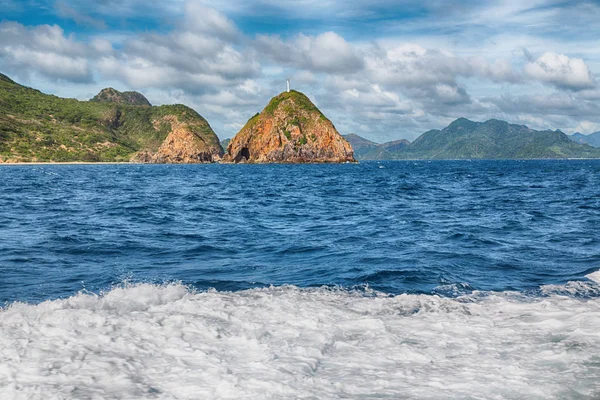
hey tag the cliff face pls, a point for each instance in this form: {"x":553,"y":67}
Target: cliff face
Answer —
{"x":289,"y":130}
{"x":188,"y":142}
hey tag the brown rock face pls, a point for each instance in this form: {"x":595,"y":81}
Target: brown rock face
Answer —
{"x":185,"y":144}
{"x":289,"y":130}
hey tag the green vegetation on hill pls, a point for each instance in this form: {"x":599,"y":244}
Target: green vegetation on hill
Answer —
{"x":360,"y":145}
{"x":465,"y":139}
{"x":6,"y":78}
{"x":494,"y":139}
{"x":300,"y":102}
{"x":365,"y":149}
{"x":39,"y":127}
{"x":111,"y":95}
{"x":387,"y":151}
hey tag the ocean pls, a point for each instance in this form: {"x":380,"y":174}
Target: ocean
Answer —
{"x":395,"y":279}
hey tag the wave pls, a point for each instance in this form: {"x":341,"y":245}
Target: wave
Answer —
{"x":594,"y":276}
{"x":171,"y":342}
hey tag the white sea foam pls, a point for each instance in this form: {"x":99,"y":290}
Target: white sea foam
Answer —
{"x":594,"y":276}
{"x":166,"y":342}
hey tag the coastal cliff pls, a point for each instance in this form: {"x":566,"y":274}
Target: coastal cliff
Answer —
{"x":291,"y":129}
{"x":112,"y":127}
{"x":188,"y":142}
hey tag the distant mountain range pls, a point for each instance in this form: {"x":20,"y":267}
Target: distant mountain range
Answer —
{"x":225,"y":142}
{"x":365,"y":149}
{"x":593,"y":139}
{"x":465,"y":139}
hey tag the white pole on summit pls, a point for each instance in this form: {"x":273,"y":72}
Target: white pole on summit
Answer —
{"x":288,"y":85}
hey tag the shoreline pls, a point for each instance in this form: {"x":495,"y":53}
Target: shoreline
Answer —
{"x":316,"y":163}
{"x":66,"y":163}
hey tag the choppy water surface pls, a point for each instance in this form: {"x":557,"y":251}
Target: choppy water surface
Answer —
{"x":447,"y":279}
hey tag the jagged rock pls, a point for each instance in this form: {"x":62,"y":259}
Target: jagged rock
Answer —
{"x":110,"y":95}
{"x":291,"y":129}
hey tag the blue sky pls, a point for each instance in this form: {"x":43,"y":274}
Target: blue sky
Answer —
{"x":383,"y":69}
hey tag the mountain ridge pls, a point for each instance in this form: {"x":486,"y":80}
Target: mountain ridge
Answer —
{"x":592,"y":139}
{"x":110,"y":95}
{"x":492,"y":139}
{"x":365,"y":149}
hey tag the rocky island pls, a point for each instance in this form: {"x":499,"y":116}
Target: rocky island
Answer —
{"x":290,"y":129}
{"x":112,"y":127}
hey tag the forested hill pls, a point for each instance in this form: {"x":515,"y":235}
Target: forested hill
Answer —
{"x":114,"y":127}
{"x":493,"y":139}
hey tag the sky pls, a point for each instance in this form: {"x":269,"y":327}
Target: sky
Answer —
{"x":383,"y":69}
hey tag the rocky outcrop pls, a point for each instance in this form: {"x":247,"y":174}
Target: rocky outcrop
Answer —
{"x":186,"y":143}
{"x":110,"y":95}
{"x":291,"y":129}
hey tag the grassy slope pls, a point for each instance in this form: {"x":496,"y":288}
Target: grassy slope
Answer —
{"x":296,"y":106}
{"x":39,"y":127}
{"x":300,"y":100}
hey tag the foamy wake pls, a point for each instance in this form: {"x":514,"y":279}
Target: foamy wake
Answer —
{"x":166,"y":342}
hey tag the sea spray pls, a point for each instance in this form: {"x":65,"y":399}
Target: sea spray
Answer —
{"x":167,"y":342}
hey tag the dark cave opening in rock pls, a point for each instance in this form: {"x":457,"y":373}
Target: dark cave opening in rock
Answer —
{"x":243,"y":154}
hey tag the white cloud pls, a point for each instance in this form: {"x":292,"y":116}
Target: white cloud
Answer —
{"x":561,"y":71}
{"x":250,"y":86}
{"x":327,"y":52}
{"x":64,"y":10}
{"x":199,"y":18}
{"x":304,"y":77}
{"x":450,"y":94}
{"x":412,"y":65}
{"x":587,"y":127}
{"x":74,"y":69}
{"x":49,"y":38}
{"x":44,"y":50}
{"x":102,"y":46}
{"x":200,"y":57}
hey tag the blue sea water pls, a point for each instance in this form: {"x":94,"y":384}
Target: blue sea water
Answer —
{"x":407,"y":279}
{"x":398,"y":227}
